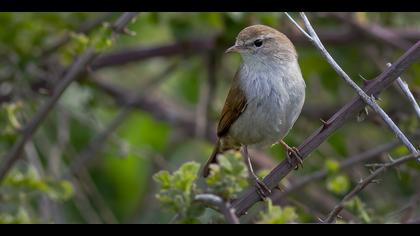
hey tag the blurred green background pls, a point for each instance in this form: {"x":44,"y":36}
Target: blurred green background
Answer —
{"x":175,"y":75}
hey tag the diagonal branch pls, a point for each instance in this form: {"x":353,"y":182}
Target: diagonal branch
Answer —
{"x":374,"y":31}
{"x":83,"y":29}
{"x":72,"y":73}
{"x":369,"y":100}
{"x":250,"y":197}
{"x":362,"y":184}
{"x":404,"y":87}
{"x":127,"y":55}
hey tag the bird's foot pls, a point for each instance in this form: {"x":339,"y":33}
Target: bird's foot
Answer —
{"x":262,"y":189}
{"x":294,"y":157}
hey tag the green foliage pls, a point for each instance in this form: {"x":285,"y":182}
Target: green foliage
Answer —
{"x":229,"y":176}
{"x":121,"y":177}
{"x":162,"y":135}
{"x":177,"y":192}
{"x":99,"y":39}
{"x":338,"y":184}
{"x":29,"y":181}
{"x":277,"y":215}
{"x":21,"y":217}
{"x":332,"y":166}
{"x":20,"y":188}
{"x":9,"y":119}
{"x":359,"y":207}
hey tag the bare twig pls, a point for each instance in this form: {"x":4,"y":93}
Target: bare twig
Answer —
{"x":119,"y":27}
{"x":347,"y":35}
{"x":84,"y":205}
{"x":404,"y":87}
{"x":72,"y":73}
{"x":374,"y":31}
{"x":207,"y":90}
{"x":336,"y":121}
{"x":136,"y":54}
{"x":224,"y":207}
{"x":87,"y":184}
{"x":370,"y":100}
{"x":32,"y":126}
{"x":362,"y":184}
{"x":84,"y":29}
{"x":347,"y":163}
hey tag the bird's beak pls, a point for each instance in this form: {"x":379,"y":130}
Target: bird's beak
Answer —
{"x":235,"y":48}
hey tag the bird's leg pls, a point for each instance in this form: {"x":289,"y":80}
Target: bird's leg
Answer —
{"x":292,"y":153}
{"x":262,"y":189}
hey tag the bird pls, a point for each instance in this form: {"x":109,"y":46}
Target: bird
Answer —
{"x":264,"y":101}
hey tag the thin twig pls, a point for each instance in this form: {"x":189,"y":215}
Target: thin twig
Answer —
{"x":347,"y":163}
{"x":298,"y":26}
{"x":362,"y":184}
{"x":404,"y":87}
{"x":136,"y":54}
{"x":374,"y":31}
{"x":369,"y":100}
{"x":250,"y":197}
{"x":29,"y":130}
{"x":32,"y":126}
{"x":224,"y":207}
{"x":83,"y":29}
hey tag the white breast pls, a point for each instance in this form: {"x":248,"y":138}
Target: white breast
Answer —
{"x":275,"y":94}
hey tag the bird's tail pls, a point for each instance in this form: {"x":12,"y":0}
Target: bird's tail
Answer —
{"x":212,"y":159}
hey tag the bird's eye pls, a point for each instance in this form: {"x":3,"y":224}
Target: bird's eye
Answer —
{"x":258,"y":43}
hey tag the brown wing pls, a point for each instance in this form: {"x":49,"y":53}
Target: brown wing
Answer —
{"x":235,"y":104}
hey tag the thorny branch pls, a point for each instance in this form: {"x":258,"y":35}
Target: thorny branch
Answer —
{"x":404,"y":87}
{"x":369,"y":100}
{"x":343,"y":165}
{"x":71,"y":74}
{"x":347,"y":163}
{"x":362,"y":184}
{"x":250,"y":197}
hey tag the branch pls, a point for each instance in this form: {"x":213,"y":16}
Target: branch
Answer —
{"x":369,"y":100}
{"x":335,"y":122}
{"x":362,"y":184}
{"x":349,"y":162}
{"x":404,"y":87}
{"x":83,"y":29}
{"x":72,"y":73}
{"x":128,"y":55}
{"x":347,"y":35}
{"x":374,"y":31}
{"x":224,"y":207}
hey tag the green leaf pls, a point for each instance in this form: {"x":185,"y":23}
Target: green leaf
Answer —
{"x":332,"y":166}
{"x":357,"y":205}
{"x":338,"y":184}
{"x":277,"y":215}
{"x":177,"y":192}
{"x":229,"y":176}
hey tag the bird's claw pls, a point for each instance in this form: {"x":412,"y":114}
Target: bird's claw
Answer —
{"x":262,"y":189}
{"x":293,"y":156}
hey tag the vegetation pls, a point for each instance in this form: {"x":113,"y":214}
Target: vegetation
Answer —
{"x":126,"y":140}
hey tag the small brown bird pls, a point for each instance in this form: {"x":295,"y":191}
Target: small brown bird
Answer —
{"x":265,"y":98}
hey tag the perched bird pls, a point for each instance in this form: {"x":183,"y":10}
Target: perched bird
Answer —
{"x":265,"y":98}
